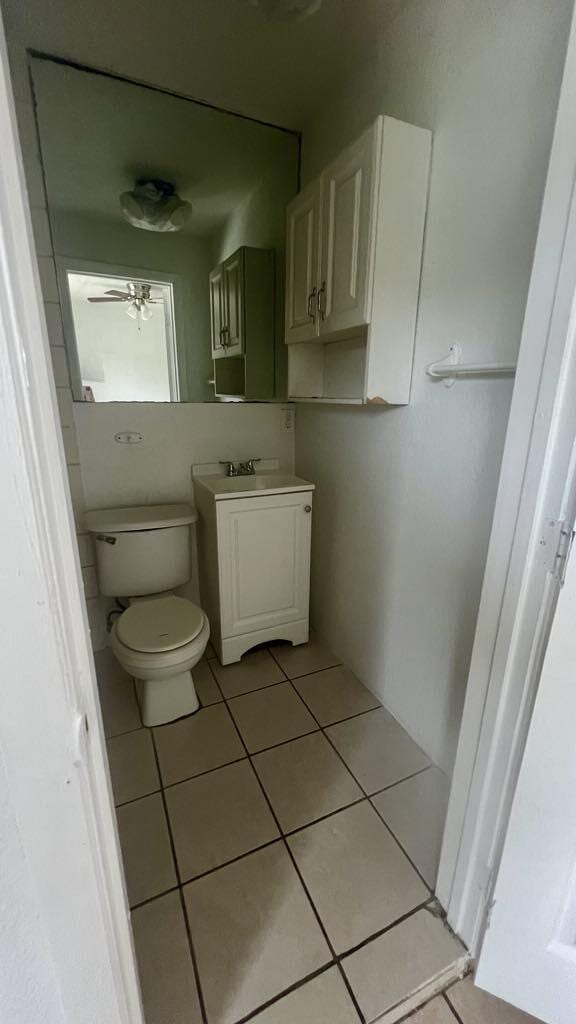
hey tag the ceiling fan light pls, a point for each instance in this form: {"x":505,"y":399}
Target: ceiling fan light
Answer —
{"x":132,"y":311}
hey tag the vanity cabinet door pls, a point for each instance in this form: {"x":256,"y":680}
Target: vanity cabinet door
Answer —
{"x":217,"y":314}
{"x":263,"y":561}
{"x":347,"y":215}
{"x":303,"y":239}
{"x":233,"y":288}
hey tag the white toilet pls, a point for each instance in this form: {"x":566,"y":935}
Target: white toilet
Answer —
{"x":142,"y":554}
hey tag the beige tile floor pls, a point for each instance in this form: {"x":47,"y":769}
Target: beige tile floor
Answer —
{"x":279,"y":847}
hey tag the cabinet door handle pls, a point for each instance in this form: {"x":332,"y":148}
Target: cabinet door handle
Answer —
{"x":312,"y":303}
{"x":224,"y":337}
{"x":307,"y":508}
{"x":320,"y":305}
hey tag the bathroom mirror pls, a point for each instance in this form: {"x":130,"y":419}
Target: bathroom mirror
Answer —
{"x":152,"y":198}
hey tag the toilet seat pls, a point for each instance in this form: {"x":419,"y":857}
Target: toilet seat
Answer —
{"x":159,"y":625}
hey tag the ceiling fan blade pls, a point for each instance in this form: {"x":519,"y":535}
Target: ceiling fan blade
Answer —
{"x":122,"y":295}
{"x":102,"y":298}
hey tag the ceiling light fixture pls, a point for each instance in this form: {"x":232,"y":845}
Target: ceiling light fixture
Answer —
{"x":153,"y":205}
{"x":282,"y":10}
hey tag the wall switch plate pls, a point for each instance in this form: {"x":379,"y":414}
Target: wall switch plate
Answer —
{"x":288,"y":418}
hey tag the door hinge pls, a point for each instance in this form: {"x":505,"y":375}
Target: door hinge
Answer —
{"x":556,"y":539}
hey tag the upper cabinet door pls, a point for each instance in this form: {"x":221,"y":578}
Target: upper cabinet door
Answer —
{"x":217,"y":314}
{"x":232,"y":286}
{"x":303,"y":232}
{"x":347,"y":203}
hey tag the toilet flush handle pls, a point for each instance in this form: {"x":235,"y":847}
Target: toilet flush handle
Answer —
{"x":106,"y":539}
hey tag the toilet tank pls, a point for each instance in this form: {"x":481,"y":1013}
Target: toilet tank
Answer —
{"x":141,"y":550}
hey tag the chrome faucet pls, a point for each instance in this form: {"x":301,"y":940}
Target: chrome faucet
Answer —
{"x":247,"y":468}
{"x":240,"y":468}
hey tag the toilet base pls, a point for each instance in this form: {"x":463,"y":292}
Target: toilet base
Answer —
{"x":164,"y":700}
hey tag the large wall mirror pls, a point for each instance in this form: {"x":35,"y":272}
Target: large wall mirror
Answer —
{"x":168,"y":227}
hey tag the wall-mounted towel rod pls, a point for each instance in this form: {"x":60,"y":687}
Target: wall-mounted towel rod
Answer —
{"x":451,"y":367}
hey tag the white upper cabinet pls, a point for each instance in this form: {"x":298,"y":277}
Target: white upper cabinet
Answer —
{"x":346,"y":188}
{"x":355,"y":239}
{"x":303,"y":235}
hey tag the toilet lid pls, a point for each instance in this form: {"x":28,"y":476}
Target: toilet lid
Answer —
{"x":160,"y":624}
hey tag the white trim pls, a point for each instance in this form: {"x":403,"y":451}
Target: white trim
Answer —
{"x":518,"y":596}
{"x":173,"y":317}
{"x":51,"y":740}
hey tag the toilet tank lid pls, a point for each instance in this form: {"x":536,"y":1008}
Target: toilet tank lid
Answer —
{"x":139,"y":517}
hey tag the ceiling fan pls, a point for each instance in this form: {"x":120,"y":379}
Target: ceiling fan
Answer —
{"x":137,"y":295}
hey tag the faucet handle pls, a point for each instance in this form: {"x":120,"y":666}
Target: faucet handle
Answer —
{"x":230,"y":470}
{"x":250,"y":464}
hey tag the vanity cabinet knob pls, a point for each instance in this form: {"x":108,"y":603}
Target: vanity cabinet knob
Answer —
{"x":307,"y":508}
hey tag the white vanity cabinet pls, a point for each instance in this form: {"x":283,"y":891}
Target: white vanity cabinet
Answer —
{"x":354,"y":253}
{"x":254,"y":555}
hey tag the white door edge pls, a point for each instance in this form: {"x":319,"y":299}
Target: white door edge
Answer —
{"x":51,"y":738}
{"x":518,"y":596}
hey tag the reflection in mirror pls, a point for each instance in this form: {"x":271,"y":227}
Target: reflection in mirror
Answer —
{"x":124,"y":339}
{"x":152,"y":199}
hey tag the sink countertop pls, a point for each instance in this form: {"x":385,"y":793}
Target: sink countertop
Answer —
{"x":253,"y":486}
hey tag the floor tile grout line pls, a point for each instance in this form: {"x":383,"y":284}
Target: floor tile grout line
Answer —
{"x":151,"y":899}
{"x":408,"y":857}
{"x":256,"y":689}
{"x":195,"y":968}
{"x":387,"y":928}
{"x":316,"y":821}
{"x":135,"y":799}
{"x":339,"y":664}
{"x":284,"y":743}
{"x":406,"y":778}
{"x":324,"y":732}
{"x":452,"y":1009}
{"x":357,"y":714}
{"x":334,"y":748}
{"x":128,"y":732}
{"x":351,"y":992}
{"x":266,"y":750}
{"x":200,"y":775}
{"x":299,"y":874}
{"x":137,"y":699}
{"x":233,"y":860}
{"x":286,"y":992}
{"x":375,"y":809}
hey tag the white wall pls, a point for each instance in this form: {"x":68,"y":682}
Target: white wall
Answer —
{"x":175,"y":437}
{"x":159,"y":468}
{"x":405,"y":496}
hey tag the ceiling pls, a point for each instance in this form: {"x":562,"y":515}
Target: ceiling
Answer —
{"x":99,"y":134}
{"x":222,"y":51}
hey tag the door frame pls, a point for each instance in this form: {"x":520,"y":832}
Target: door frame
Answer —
{"x":72,"y":900}
{"x":519,"y":593}
{"x":173,"y":315}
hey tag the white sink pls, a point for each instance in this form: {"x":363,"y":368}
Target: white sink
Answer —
{"x":222,"y":487}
